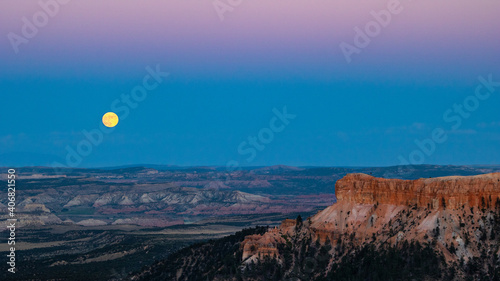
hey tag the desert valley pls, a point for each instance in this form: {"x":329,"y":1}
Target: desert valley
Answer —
{"x":123,"y":223}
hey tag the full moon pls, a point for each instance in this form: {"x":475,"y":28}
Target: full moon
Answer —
{"x":110,"y":119}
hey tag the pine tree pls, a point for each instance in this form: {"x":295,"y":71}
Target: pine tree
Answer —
{"x":299,"y":220}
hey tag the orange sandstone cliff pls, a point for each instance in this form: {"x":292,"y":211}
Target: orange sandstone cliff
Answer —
{"x":452,"y":192}
{"x":448,"y":211}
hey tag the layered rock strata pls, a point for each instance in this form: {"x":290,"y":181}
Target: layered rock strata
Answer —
{"x":446,"y":211}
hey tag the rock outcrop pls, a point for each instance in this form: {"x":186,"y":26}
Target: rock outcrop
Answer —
{"x":259,"y":246}
{"x":456,"y":214}
{"x":480,"y":191}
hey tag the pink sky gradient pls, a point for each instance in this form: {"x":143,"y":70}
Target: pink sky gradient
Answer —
{"x":256,"y":32}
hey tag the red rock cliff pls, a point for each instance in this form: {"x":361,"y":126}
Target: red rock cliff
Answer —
{"x":447,"y":211}
{"x":476,"y":191}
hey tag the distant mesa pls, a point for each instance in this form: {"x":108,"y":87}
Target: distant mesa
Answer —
{"x":92,"y":222}
{"x":278,"y":168}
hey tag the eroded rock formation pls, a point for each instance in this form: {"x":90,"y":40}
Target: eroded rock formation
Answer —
{"x":453,"y":192}
{"x":457,"y":214}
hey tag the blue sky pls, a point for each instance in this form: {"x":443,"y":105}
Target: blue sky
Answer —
{"x":223,"y":88}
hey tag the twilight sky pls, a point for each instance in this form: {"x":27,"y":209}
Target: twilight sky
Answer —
{"x":230,"y":74}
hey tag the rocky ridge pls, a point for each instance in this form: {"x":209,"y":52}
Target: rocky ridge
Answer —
{"x":452,"y":192}
{"x":458,"y":217}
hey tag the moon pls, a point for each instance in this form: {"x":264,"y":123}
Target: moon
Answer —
{"x":110,"y":119}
